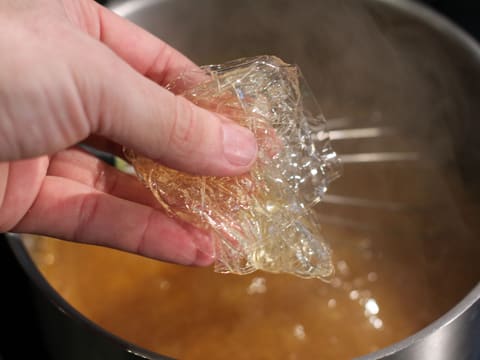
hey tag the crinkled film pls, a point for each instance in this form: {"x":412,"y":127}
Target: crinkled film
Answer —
{"x":262,"y":220}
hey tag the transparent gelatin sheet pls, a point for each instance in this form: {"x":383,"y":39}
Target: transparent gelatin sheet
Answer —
{"x":262,"y":220}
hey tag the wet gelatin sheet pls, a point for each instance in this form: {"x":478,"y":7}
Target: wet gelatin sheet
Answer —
{"x":262,"y":220}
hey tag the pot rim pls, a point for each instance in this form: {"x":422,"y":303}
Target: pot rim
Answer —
{"x":413,"y":9}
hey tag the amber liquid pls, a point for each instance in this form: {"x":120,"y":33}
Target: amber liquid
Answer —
{"x":376,"y":299}
{"x":403,"y":258}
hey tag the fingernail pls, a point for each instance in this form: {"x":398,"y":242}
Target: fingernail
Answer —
{"x":239,"y":144}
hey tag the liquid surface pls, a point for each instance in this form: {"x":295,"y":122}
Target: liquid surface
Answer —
{"x":188,"y":313}
{"x":390,"y":282}
{"x":404,"y":239}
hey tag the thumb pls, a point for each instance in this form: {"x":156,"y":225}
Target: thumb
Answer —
{"x":140,"y":114}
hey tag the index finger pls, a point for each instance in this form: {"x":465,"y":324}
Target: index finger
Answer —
{"x":146,"y":53}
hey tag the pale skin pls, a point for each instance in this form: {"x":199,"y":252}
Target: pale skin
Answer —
{"x":72,"y":71}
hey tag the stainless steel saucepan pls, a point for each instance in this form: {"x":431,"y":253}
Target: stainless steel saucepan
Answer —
{"x":400,"y":86}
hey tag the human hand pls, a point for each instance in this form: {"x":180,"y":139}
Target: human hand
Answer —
{"x":71,"y":69}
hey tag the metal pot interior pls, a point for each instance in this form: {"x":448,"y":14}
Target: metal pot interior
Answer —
{"x":398,"y":86}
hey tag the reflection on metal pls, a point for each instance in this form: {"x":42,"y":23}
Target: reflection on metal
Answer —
{"x":126,"y":8}
{"x":137,"y":354}
{"x":379,"y":157}
{"x":361,"y":202}
{"x":362,"y":133}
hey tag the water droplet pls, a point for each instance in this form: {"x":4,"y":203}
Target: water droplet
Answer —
{"x":376,"y":322}
{"x":299,"y":332}
{"x":257,"y":286}
{"x":332,"y":303}
{"x":371,"y":307}
{"x":354,"y":295}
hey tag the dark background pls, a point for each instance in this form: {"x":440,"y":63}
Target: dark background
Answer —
{"x":20,"y":331}
{"x":465,"y":13}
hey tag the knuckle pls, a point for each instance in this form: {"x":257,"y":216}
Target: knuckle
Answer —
{"x":160,"y":63}
{"x":87,"y":210}
{"x":143,"y":242}
{"x":185,"y":127}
